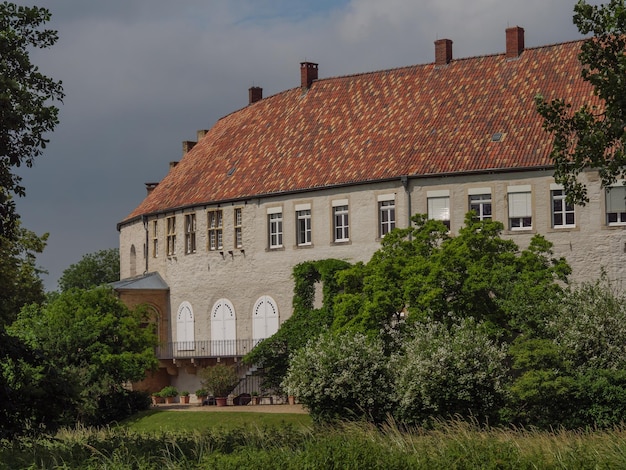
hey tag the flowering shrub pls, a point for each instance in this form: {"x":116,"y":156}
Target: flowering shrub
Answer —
{"x":590,"y":327}
{"x":449,"y":371}
{"x":343,"y":376}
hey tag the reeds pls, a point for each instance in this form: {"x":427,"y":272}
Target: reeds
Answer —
{"x":451,"y":445}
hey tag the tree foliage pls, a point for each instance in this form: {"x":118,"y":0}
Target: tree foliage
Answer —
{"x":26,"y":112}
{"x":593,"y":136}
{"x":94,"y":269}
{"x":19,"y":274}
{"x":97,"y":344}
{"x":426,"y":273}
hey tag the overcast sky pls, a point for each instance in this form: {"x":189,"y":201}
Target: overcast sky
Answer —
{"x":141,"y":76}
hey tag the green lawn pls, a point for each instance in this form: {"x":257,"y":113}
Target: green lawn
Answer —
{"x":181,"y":421}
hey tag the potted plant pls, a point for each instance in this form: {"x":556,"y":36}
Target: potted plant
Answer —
{"x":255,"y":397}
{"x":169,"y":393}
{"x":184,"y":396}
{"x":201,"y":394}
{"x":157,"y":398}
{"x":221,"y":380}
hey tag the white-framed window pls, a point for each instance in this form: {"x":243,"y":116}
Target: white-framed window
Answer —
{"x":439,"y":206}
{"x":303,"y":224}
{"x":563,"y":214}
{"x":171,"y":235}
{"x":341,"y":227}
{"x":616,"y":205}
{"x":223,"y":329}
{"x":215,"y":231}
{"x":480,"y":202}
{"x":238,"y":228}
{"x":386,"y":214}
{"x":520,"y":207}
{"x":155,"y":238}
{"x":265,"y":318}
{"x":190,"y":233}
{"x":275,"y":226}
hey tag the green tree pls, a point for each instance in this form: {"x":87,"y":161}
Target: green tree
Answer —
{"x":575,"y":375}
{"x":593,"y":136}
{"x":94,"y":269}
{"x":26,"y":112}
{"x":19,"y":275}
{"x":427,"y":274}
{"x":96,"y":342}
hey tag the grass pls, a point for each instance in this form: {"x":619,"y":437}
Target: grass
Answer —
{"x":188,"y":421}
{"x":272,"y":444}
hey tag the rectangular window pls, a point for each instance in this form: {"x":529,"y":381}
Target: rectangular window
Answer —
{"x":386,"y":216}
{"x":481,"y":205}
{"x":303,"y":221}
{"x":276,"y":230}
{"x":616,"y":205}
{"x":562,"y":211}
{"x":155,"y":238}
{"x":171,"y":236}
{"x":238,"y":228}
{"x":520,"y":208}
{"x":214,"y":224}
{"x":340,"y":223}
{"x":439,"y":206}
{"x":190,"y":233}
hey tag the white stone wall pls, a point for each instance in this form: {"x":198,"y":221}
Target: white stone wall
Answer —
{"x":243,"y":276}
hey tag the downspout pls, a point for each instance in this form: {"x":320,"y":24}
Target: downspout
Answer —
{"x":144,"y":219}
{"x":405,"y":182}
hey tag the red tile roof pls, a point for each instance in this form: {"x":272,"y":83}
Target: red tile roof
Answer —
{"x":418,"y":120}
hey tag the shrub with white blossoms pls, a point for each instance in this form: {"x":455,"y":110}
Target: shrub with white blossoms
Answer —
{"x":446,"y":372}
{"x":341,"y":376}
{"x":590,"y":327}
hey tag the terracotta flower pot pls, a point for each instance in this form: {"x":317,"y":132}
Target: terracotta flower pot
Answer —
{"x":184,"y":399}
{"x":221,"y":401}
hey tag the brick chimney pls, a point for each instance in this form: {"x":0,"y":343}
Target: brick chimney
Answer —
{"x":188,"y":145}
{"x":443,"y":52}
{"x":514,"y":42}
{"x":150,"y":187}
{"x":255,"y":94}
{"x":308,"y":73}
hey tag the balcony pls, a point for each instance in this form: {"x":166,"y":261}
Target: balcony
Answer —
{"x":206,"y":349}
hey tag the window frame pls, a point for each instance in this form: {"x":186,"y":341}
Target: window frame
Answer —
{"x":436,"y":212}
{"x":386,"y":215}
{"x":520,"y":208}
{"x":618,"y":203}
{"x":341,"y":223}
{"x":155,"y":238}
{"x":215,"y":230}
{"x":304,"y":232}
{"x":238,"y":227}
{"x":275,"y":229}
{"x":171,"y":235}
{"x":481,"y":198}
{"x":566,"y":209}
{"x":190,"y":233}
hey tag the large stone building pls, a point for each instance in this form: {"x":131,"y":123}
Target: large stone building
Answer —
{"x":325,"y":169}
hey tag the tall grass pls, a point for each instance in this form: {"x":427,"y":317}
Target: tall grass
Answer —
{"x":449,"y":445}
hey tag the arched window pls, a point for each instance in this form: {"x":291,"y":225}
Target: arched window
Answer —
{"x":133,"y":261}
{"x":223,"y":329}
{"x":185,"y":336}
{"x":264,"y":318}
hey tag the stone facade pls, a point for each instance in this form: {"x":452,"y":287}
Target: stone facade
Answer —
{"x":420,"y":139}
